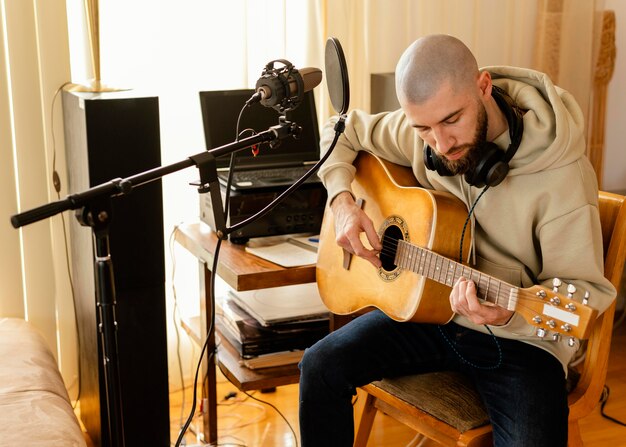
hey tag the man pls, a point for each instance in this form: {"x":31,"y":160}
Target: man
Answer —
{"x":538,"y":222}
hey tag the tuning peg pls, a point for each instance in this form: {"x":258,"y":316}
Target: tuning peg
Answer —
{"x":556,"y":283}
{"x":586,"y":298}
{"x":537,"y":319}
{"x":542,"y":294}
{"x":571,"y":290}
{"x":566,"y":328}
{"x":555,"y":300}
{"x":571,"y":342}
{"x":551,"y":323}
{"x":571,"y":307}
{"x":556,"y":336}
{"x":541,"y":332}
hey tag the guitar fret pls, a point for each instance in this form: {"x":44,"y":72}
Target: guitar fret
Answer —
{"x":426,"y":265}
{"x":499,"y":285}
{"x":406,"y":255}
{"x":446,"y":271}
{"x":418,"y":260}
{"x":440,"y":269}
{"x":448,"y":279}
{"x":432,"y":265}
{"x":487,"y":290}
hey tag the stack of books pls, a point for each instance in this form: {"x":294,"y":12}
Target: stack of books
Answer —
{"x":272,"y":327}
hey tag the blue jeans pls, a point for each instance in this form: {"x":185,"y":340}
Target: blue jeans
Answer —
{"x":525,"y":394}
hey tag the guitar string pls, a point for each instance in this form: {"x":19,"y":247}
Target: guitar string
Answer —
{"x":445,"y":337}
{"x":420,"y":264}
{"x":390,"y":250}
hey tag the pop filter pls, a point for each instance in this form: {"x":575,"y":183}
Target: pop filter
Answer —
{"x":337,"y":76}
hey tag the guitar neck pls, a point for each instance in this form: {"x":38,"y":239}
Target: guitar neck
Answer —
{"x":445,"y":271}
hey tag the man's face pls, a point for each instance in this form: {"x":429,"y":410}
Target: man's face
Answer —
{"x":454,"y":125}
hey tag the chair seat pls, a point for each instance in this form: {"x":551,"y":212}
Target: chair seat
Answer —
{"x":448,"y":396}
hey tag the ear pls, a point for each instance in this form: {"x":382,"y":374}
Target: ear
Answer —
{"x":483,"y":82}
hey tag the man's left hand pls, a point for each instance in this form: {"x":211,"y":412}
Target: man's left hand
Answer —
{"x":464,"y":301}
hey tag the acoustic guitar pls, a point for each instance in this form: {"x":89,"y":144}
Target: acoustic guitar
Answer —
{"x":420,"y":232}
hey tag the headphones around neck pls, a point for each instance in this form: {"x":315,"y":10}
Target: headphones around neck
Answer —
{"x":493,"y":167}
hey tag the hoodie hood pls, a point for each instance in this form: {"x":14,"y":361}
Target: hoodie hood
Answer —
{"x":553,"y":122}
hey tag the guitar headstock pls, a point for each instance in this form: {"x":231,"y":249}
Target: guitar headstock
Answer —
{"x":555,"y":314}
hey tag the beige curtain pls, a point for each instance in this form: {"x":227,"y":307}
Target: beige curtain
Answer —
{"x":567,"y":41}
{"x":499,"y":32}
{"x":575,"y":45}
{"x":374,"y":33}
{"x":34,"y":62}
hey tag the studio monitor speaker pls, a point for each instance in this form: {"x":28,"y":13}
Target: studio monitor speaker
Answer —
{"x":110,"y":135}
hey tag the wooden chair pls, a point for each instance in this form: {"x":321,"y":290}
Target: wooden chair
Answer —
{"x":444,"y":407}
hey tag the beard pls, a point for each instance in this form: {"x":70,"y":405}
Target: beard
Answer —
{"x":475,"y":150}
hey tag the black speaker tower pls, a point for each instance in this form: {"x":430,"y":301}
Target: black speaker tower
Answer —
{"x":111,"y":135}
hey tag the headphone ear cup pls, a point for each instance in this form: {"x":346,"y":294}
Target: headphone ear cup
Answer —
{"x":491,"y":168}
{"x":433,"y":163}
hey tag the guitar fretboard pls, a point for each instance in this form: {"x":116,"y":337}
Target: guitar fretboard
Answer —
{"x":445,"y":271}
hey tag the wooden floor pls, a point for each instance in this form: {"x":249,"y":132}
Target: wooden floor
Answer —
{"x":242,"y":421}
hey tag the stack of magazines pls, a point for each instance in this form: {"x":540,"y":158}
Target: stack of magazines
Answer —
{"x":272,"y":327}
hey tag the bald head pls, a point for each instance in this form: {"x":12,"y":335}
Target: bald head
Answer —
{"x":431,"y":61}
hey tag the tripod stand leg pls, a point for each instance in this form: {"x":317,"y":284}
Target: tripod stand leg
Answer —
{"x":99,"y":220}
{"x":107,"y":329}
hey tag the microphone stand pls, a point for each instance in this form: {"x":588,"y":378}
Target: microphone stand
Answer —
{"x":93,"y":209}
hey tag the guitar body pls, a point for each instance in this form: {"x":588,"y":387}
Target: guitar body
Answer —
{"x":398,"y":207}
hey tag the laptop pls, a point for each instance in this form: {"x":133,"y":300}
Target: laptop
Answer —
{"x":274,"y":167}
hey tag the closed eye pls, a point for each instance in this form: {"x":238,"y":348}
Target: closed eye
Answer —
{"x":450,"y":119}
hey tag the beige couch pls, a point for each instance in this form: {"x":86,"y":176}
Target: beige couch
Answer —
{"x":35,"y":409}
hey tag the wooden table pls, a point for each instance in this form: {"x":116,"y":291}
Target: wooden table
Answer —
{"x":242,"y":271}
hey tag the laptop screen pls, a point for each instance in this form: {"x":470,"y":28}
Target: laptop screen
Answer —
{"x":220,"y":110}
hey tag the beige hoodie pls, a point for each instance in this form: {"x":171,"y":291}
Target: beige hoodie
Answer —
{"x":541,"y":222}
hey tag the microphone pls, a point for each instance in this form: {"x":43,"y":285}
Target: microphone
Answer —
{"x":283,"y":88}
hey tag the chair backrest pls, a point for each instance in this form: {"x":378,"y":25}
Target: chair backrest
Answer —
{"x":586,"y":395}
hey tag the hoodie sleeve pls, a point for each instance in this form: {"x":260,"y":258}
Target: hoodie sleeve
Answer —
{"x":387,"y":134}
{"x":572,"y":251}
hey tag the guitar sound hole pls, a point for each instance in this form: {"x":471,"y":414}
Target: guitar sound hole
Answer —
{"x":390,"y":239}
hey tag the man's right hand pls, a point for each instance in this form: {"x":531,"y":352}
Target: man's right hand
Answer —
{"x":350,"y":222}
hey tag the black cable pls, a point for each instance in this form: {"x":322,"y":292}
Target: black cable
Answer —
{"x":603,"y":400}
{"x":212,"y":295}
{"x":232,"y":164}
{"x":175,"y":321}
{"x":293,"y":432}
{"x":467,"y":219}
{"x":56,"y":182}
{"x":339,"y":127}
{"x":289,"y":190}
{"x":205,"y":344}
{"x":495,"y":339}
